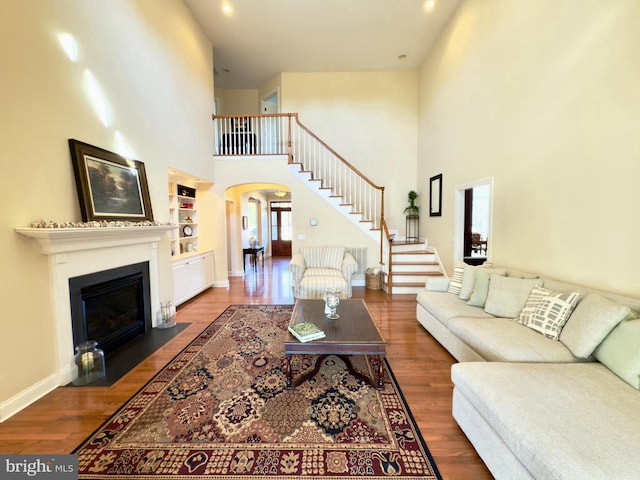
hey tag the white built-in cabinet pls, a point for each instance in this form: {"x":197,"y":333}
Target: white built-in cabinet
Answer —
{"x":192,"y":275}
{"x":193,"y":271}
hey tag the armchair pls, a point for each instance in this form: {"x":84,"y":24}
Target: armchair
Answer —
{"x":317,"y":269}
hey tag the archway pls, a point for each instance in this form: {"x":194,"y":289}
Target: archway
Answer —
{"x":248,"y":215}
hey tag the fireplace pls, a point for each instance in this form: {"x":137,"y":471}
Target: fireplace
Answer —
{"x":75,"y":252}
{"x":111,"y":306}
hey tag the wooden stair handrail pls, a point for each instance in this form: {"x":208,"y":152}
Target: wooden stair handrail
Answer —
{"x":336,"y":154}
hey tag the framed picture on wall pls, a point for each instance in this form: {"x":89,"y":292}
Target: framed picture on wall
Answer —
{"x":109,"y":186}
{"x":435,"y":196}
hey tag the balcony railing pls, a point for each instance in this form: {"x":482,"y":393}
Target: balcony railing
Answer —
{"x":283,"y":134}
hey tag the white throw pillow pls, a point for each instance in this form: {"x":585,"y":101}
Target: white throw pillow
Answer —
{"x":507,"y":295}
{"x":593,"y":319}
{"x":468,"y":278}
{"x":552,"y":312}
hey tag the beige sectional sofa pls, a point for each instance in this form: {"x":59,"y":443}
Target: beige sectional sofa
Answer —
{"x":548,"y":376}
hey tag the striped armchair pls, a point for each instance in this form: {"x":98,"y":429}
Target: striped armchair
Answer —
{"x":317,"y":269}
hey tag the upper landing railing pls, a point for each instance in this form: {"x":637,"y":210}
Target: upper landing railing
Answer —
{"x":283,"y":134}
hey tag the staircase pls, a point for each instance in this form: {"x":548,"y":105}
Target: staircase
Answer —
{"x":405,"y":266}
{"x":409,"y":267}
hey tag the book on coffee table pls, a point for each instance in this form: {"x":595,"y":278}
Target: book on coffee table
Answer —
{"x":306,"y":331}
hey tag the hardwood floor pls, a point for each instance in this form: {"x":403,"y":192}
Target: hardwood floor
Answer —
{"x":60,"y":421}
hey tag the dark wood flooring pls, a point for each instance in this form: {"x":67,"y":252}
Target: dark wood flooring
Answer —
{"x":60,"y":421}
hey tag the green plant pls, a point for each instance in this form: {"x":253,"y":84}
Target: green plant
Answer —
{"x":412,"y":209}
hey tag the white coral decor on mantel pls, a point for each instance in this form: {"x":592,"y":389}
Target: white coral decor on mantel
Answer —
{"x":95,"y":224}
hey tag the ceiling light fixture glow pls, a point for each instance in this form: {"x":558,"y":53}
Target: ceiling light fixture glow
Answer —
{"x":429,"y":5}
{"x":227,"y":9}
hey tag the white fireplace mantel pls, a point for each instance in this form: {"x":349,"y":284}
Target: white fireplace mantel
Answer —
{"x":79,"y":251}
{"x":60,"y":240}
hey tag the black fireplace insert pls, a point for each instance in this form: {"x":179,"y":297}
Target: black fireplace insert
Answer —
{"x":112,"y":306}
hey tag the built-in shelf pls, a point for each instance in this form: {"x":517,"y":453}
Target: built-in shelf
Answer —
{"x":183,"y":211}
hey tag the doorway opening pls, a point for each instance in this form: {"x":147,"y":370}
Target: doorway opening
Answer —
{"x":473,"y":222}
{"x":249,"y":221}
{"x":271,"y":131}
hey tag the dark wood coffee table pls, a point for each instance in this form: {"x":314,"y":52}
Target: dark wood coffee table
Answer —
{"x":354,"y":333}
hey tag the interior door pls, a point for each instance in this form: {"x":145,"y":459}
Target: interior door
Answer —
{"x":271,"y":126}
{"x":281,"y":229}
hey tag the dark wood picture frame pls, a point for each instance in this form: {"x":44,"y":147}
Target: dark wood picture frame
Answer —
{"x":110,"y":187}
{"x":435,"y":196}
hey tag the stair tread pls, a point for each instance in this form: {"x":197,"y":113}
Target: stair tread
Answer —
{"x":415,"y":263}
{"x":415,"y":274}
{"x":413,"y":252}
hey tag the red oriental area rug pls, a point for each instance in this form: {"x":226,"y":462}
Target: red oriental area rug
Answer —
{"x":220,"y":409}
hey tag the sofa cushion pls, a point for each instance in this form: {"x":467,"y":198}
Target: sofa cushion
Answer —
{"x":551,"y":312}
{"x":503,"y":340}
{"x":480,"y":291}
{"x":507,"y":295}
{"x":323,"y":257}
{"x":619,"y":351}
{"x":592,"y":320}
{"x":455,"y":284}
{"x":562,"y":421}
{"x":322,"y":272}
{"x":315,"y":286}
{"x":444,"y":305}
{"x":468,"y":279}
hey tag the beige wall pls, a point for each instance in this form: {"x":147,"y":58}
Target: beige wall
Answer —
{"x":370,"y":118}
{"x":542,"y":97}
{"x":154,"y":67}
{"x":238,"y":101}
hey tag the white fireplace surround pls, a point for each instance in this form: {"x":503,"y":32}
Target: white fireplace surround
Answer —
{"x":79,"y":251}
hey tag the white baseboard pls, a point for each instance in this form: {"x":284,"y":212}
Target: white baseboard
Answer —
{"x":28,"y":396}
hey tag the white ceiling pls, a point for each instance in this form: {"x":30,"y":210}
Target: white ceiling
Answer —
{"x":263,"y":38}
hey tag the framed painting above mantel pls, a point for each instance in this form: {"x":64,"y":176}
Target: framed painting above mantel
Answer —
{"x":110,"y":187}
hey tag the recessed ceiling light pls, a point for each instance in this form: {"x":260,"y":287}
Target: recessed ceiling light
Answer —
{"x":429,"y":5}
{"x":227,"y":9}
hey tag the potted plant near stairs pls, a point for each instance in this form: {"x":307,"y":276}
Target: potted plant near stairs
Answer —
{"x":412,"y":233}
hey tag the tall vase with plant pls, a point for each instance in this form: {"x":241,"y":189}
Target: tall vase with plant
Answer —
{"x":412,"y":209}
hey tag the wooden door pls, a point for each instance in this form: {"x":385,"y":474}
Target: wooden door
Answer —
{"x":281,"y":229}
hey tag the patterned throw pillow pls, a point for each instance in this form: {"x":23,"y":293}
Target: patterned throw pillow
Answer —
{"x":529,"y":309}
{"x":552,"y":312}
{"x":455,"y":284}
